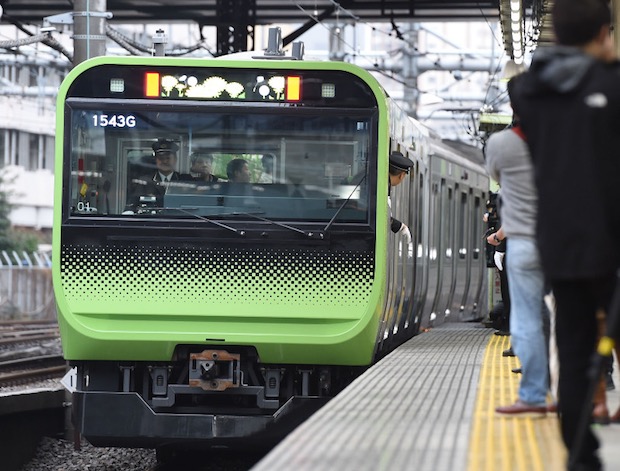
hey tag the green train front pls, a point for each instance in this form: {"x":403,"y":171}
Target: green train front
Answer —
{"x":217,"y":309}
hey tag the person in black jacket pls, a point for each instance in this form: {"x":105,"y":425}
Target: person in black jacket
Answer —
{"x":399,"y":168}
{"x":569,"y":105}
{"x":496,"y":258}
{"x":156,"y":184}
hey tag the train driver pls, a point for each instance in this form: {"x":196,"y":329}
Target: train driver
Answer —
{"x":156,"y":184}
{"x":399,"y":168}
{"x":165,"y":152}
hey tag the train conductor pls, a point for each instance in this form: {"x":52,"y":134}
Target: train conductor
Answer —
{"x":399,"y":168}
{"x":157,"y":183}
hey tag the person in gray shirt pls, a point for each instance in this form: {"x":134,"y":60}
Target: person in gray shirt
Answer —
{"x":508,"y":162}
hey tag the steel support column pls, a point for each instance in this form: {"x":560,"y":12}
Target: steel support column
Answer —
{"x":89,"y":21}
{"x":236,"y":20}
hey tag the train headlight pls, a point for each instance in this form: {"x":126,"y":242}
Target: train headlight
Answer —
{"x":117,"y":85}
{"x":328,"y":90}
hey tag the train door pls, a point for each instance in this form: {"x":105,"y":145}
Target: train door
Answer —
{"x":444,"y":268}
{"x":449,"y":252}
{"x":421,"y":249}
{"x":400,"y":266}
{"x":136,"y":160}
{"x":390,"y":296}
{"x":434,"y":274}
{"x":477,"y":289}
{"x":464,"y":249}
{"x":460,"y":256}
{"x":406,"y":324}
{"x":106,"y":166}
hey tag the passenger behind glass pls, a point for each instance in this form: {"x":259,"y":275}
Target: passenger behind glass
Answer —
{"x":202,"y":167}
{"x":268,"y":166}
{"x":154,"y":185}
{"x":238,"y":171}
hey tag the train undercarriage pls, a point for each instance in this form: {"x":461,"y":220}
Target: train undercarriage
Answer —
{"x":205,"y":397}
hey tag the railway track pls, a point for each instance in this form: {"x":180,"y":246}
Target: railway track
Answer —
{"x":15,"y":332}
{"x":29,"y":352}
{"x":29,"y":370}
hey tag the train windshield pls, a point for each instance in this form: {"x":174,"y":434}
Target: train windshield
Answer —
{"x":206,"y":161}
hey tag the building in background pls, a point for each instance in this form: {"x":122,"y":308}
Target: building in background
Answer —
{"x":28,"y":85}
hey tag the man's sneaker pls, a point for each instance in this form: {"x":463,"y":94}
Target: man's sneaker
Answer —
{"x":522,"y":409}
{"x":600,"y":414}
{"x":508,"y":353}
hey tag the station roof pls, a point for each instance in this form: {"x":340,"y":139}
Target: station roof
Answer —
{"x":204,"y":12}
{"x":247,"y":13}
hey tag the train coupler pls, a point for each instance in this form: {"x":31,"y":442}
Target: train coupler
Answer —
{"x":215,"y":370}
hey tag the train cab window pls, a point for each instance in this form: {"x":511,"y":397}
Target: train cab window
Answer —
{"x":301,"y":165}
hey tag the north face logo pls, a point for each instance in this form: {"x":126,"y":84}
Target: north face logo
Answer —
{"x":596,"y":100}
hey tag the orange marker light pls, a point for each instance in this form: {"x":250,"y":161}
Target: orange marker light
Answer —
{"x":151,"y":84}
{"x":293,"y":88}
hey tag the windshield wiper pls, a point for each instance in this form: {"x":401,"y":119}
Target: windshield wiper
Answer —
{"x":331,"y":221}
{"x":203,"y":218}
{"x":235,"y":213}
{"x":281,"y":224}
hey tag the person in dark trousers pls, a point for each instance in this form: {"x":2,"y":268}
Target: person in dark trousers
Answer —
{"x":496,"y":258}
{"x":569,"y":105}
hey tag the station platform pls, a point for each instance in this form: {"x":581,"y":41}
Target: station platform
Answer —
{"x":430,"y":406}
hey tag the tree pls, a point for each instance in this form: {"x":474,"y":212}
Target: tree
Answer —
{"x":5,"y":223}
{"x":10,"y":238}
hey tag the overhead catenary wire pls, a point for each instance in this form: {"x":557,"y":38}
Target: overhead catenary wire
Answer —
{"x":138,"y":49}
{"x":45,"y":38}
{"x":9,"y":44}
{"x":396,"y":34}
{"x":122,"y":41}
{"x":133,"y":47}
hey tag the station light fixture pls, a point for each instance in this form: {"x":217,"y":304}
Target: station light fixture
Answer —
{"x":512,"y":16}
{"x":512,"y":20}
{"x":516,"y":29}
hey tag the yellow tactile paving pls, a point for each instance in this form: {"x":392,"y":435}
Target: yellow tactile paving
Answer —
{"x":509,"y":443}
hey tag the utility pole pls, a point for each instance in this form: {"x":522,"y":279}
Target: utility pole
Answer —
{"x":89,"y":29}
{"x":410,"y":70}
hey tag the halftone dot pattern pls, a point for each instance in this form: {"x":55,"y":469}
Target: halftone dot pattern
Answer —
{"x":220,"y":275}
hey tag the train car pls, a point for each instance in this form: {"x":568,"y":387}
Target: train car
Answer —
{"x":217,"y":313}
